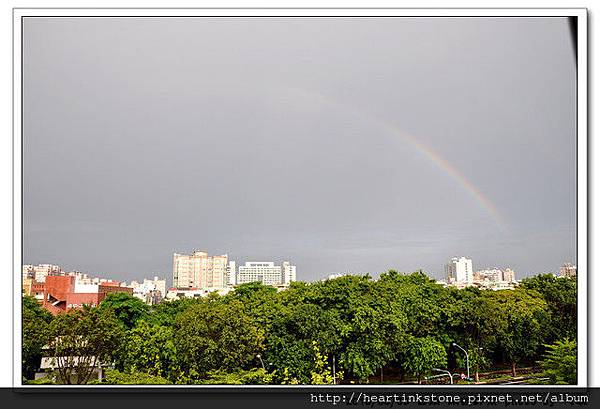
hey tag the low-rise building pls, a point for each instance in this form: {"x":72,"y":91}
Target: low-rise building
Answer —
{"x":64,"y":293}
{"x":182,"y":293}
{"x":153,"y":297}
{"x":333,"y":276}
{"x":49,"y":365}
{"x":500,"y":285}
{"x":76,"y":367}
{"x":492,"y":275}
{"x":149,"y":291}
{"x":33,"y":288}
{"x":495,"y":279}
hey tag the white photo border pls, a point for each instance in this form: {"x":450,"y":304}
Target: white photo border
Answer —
{"x":580,"y":14}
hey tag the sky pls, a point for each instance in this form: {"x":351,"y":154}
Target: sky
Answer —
{"x":339,"y":144}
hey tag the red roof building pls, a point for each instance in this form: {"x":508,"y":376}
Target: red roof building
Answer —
{"x":63,"y":293}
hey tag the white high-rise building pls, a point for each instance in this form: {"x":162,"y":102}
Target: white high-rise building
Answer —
{"x":39,"y":272}
{"x":199,"y":270}
{"x":231,"y":273}
{"x":266,"y":272}
{"x":289,"y":273}
{"x":459,"y":271}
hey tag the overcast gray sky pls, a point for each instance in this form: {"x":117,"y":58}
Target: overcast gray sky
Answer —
{"x":340,"y":144}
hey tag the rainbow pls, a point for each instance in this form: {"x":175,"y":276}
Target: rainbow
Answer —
{"x":454,"y":173}
{"x":413,"y":141}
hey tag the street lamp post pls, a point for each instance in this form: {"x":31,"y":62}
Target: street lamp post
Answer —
{"x":261,"y":361}
{"x":334,"y":380}
{"x":467,"y":354}
{"x":479,"y":352}
{"x":444,"y":371}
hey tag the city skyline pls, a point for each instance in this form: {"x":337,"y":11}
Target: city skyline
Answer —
{"x":142,"y":138}
{"x":168,"y":275}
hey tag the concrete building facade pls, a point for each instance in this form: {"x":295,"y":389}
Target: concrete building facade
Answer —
{"x":33,"y":288}
{"x":289,"y":273}
{"x":183,"y":293}
{"x":40,"y":271}
{"x":495,"y":278}
{"x":150,"y":291}
{"x":199,"y":270}
{"x":488,"y":275}
{"x":231,"y":273}
{"x":266,"y":272}
{"x":509,"y":276}
{"x":459,"y":271}
{"x":63,"y":293}
{"x":568,"y":270}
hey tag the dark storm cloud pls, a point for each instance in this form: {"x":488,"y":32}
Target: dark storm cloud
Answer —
{"x":270,"y":139}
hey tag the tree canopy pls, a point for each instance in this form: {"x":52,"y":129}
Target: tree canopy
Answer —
{"x":402,"y":324}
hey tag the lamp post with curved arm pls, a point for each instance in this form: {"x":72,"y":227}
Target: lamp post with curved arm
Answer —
{"x":261,"y":361}
{"x":467,"y":354}
{"x":446,"y":372}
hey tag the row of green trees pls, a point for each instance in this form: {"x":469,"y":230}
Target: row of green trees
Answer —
{"x":401,"y":325}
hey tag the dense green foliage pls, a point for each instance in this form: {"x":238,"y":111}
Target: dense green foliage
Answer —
{"x":255,"y":376}
{"x":356,"y":326}
{"x":35,"y":326}
{"x":81,"y":341}
{"x":561,"y":296}
{"x":127,"y":309}
{"x":114,"y":377}
{"x":560,"y":362}
{"x":216,"y":336}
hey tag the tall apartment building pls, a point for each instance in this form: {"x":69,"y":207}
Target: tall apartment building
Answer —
{"x":266,"y":272}
{"x":509,"y":275}
{"x":494,"y":275}
{"x":568,"y":270}
{"x":40,"y":272}
{"x":231,"y":273}
{"x":289,"y":273}
{"x":459,"y":271}
{"x":199,"y":270}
